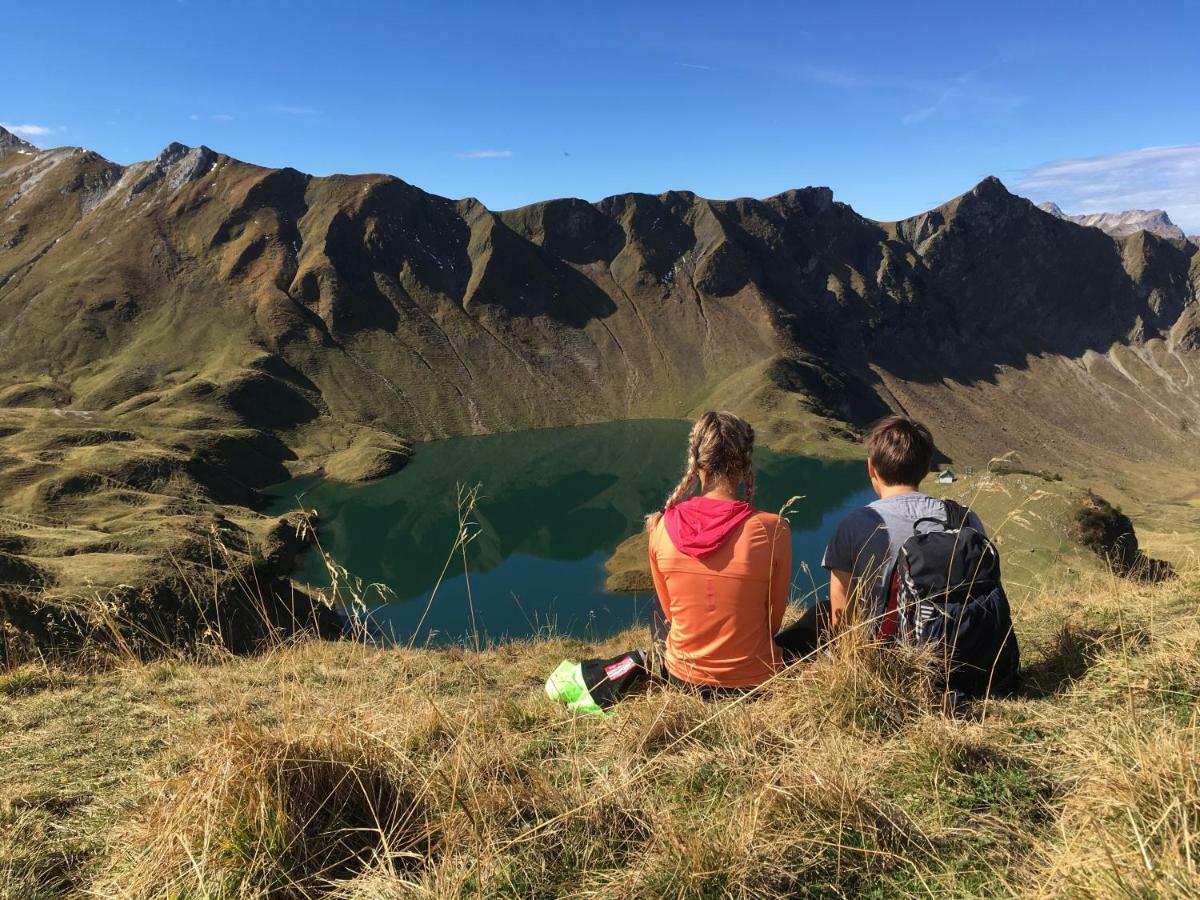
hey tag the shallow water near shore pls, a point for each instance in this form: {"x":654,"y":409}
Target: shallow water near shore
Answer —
{"x":553,"y":505}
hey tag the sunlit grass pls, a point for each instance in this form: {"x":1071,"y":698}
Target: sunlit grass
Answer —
{"x":344,"y":769}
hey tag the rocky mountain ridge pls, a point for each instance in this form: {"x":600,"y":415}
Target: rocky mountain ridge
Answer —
{"x":10,"y":144}
{"x":178,"y":332}
{"x":1125,"y":223}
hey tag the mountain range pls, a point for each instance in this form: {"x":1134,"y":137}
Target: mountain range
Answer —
{"x":176,"y":333}
{"x":1123,"y":224}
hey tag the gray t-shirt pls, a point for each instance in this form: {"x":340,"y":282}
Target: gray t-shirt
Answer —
{"x":867,"y":541}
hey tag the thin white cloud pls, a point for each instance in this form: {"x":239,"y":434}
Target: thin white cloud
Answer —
{"x":1150,"y":178}
{"x":976,"y":93}
{"x":221,"y":117}
{"x":920,"y":115}
{"x":295,"y":110}
{"x":696,"y":66}
{"x":965,"y":91}
{"x":30,"y":131}
{"x":485,"y":154}
{"x":847,"y":79}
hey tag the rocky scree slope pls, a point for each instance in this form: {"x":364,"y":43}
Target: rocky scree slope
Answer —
{"x":176,"y":333}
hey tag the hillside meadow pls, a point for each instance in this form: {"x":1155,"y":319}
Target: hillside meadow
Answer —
{"x":338,"y":769}
{"x":180,"y":333}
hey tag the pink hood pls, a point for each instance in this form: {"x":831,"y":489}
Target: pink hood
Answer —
{"x":699,"y":525}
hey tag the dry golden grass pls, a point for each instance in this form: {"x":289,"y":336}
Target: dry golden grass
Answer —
{"x":339,"y":770}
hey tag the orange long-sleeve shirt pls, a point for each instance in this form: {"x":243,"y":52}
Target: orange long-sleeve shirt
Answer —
{"x":725,"y":607}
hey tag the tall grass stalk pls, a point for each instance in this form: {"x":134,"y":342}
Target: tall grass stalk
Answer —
{"x":349,"y":770}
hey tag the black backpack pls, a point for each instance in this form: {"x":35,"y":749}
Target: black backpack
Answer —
{"x":948,"y":596}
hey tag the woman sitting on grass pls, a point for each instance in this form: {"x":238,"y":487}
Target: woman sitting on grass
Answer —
{"x":721,"y":568}
{"x":722,"y":571}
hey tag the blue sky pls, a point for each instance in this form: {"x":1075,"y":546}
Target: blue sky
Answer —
{"x":897,"y":107}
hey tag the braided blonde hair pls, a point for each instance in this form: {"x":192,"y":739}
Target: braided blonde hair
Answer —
{"x":721,"y":446}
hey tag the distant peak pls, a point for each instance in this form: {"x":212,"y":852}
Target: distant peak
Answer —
{"x":172,"y":153}
{"x":990,"y":194}
{"x":990,"y":186}
{"x":1124,"y":223}
{"x":184,"y":164}
{"x":10,"y":143}
{"x":820,"y":198}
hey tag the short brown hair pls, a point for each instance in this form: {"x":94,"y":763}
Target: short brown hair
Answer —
{"x":901,"y":449}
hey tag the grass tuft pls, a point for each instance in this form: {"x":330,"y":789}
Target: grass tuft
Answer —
{"x":264,"y":814}
{"x":344,"y":770}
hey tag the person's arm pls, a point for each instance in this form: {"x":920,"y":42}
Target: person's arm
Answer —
{"x":839,"y":595}
{"x":781,"y":573}
{"x":840,"y":561}
{"x":660,"y":583}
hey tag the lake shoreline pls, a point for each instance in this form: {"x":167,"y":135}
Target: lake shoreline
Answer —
{"x":838,"y":447}
{"x":553,"y":507}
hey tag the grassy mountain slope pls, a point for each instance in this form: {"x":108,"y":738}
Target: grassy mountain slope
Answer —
{"x":195,"y":327}
{"x":367,"y":300}
{"x":176,"y":333}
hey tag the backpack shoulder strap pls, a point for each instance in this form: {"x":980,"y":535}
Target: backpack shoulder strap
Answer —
{"x":956,"y":515}
{"x":886,"y":624}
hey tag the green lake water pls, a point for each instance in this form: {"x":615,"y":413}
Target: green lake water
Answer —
{"x":553,"y":505}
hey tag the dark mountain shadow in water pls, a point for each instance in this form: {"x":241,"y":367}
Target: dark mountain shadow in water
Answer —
{"x":561,"y":495}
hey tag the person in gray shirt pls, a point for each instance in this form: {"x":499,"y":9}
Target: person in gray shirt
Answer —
{"x":864,"y":545}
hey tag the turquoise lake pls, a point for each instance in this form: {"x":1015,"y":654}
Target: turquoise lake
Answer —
{"x":553,"y":505}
